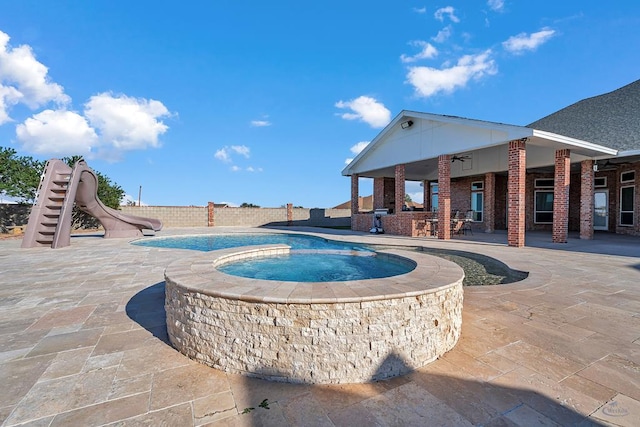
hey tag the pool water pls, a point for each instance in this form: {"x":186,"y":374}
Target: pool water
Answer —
{"x":224,"y":241}
{"x":315,"y":267}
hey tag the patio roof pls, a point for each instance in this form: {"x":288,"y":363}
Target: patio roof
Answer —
{"x":480,"y":145}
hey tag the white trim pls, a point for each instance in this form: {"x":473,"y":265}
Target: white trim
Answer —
{"x":633,"y":213}
{"x":535,"y":207}
{"x":600,"y":186}
{"x":574,"y":142}
{"x":628,"y":180}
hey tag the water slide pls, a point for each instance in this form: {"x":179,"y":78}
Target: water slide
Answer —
{"x":60,"y":188}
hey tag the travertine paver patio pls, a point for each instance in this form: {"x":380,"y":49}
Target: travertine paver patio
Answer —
{"x":83,"y":342}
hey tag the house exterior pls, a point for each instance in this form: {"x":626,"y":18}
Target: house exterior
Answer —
{"x":575,"y":170}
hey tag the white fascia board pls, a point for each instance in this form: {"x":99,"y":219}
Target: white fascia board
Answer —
{"x":628,"y":153}
{"x":574,"y":142}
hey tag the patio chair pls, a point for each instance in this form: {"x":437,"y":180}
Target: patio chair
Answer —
{"x":466,"y":223}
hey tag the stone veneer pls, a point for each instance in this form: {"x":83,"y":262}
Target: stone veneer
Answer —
{"x":326,"y":332}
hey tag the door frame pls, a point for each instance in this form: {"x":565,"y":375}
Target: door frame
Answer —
{"x":606,"y":226}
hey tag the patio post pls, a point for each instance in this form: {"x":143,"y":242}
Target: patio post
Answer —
{"x":562,"y":176}
{"x":378,"y":193}
{"x":586,"y":199}
{"x":355,"y":205}
{"x":490,"y":202}
{"x":426,"y":205}
{"x":399,"y":191}
{"x":444,"y":196}
{"x":516,"y":192}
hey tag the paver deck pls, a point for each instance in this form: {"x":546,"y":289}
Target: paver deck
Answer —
{"x":83,"y":342}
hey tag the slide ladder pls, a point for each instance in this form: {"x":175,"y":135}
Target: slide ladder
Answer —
{"x":47,"y":209}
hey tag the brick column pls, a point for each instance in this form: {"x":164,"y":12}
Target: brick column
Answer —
{"x":355,"y":197}
{"x":210,"y":215}
{"x":586,"y":199}
{"x":399,"y":199}
{"x":289,"y":214}
{"x":426,"y":200}
{"x":562,"y":177}
{"x":444,"y":197}
{"x":516,"y":192}
{"x":378,"y":193}
{"x":490,"y":202}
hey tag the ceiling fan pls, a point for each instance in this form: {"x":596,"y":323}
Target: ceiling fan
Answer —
{"x":609,"y":165}
{"x":460,"y":158}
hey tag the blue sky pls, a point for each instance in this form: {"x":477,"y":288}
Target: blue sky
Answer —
{"x":264,"y":102}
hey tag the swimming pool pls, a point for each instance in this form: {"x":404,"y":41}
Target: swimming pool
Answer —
{"x":312,"y":259}
{"x":213,"y":242}
{"x":319,"y":266}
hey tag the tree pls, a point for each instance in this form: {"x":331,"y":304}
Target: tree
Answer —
{"x":19,"y":175}
{"x":249,"y":205}
{"x":407,"y":198}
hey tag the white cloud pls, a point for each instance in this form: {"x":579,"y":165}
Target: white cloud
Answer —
{"x":442,"y":35}
{"x":222,"y":155}
{"x":226,"y":154}
{"x":127,"y":123}
{"x":356,"y":149}
{"x":449,"y":11}
{"x":260,"y":123}
{"x":9,"y":96}
{"x":366,"y":109}
{"x":57,"y":132}
{"x":24,"y":80}
{"x":523,"y":41}
{"x":429,"y":81}
{"x":427,"y":52}
{"x":420,"y":10}
{"x":243,"y":150}
{"x":496,"y":5}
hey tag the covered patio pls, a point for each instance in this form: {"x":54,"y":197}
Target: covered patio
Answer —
{"x":475,"y":176}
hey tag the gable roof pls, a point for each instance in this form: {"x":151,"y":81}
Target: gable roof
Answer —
{"x":416,"y":140}
{"x":611,"y":119}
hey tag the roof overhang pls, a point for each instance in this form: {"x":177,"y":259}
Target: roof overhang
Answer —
{"x":483,"y":143}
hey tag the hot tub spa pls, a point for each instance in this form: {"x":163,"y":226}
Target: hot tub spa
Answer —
{"x":313,"y":332}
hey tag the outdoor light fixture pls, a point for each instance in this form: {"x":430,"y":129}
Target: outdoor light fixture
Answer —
{"x":406,"y":125}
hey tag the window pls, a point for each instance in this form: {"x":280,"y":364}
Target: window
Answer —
{"x":477,"y":200}
{"x":629,"y":176}
{"x":627,"y":196}
{"x":600,"y":181}
{"x":434,"y":196}
{"x":543,"y":213}
{"x":544,"y":183}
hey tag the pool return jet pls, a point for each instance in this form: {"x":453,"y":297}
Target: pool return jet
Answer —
{"x":60,"y":188}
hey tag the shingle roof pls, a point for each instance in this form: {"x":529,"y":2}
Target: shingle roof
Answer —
{"x":611,"y":119}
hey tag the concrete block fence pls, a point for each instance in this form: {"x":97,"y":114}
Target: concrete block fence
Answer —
{"x":210,"y":216}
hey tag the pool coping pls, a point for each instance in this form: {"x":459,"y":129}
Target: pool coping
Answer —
{"x":199,"y":274}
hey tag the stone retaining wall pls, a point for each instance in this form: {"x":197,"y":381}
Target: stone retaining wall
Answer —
{"x":402,"y":323}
